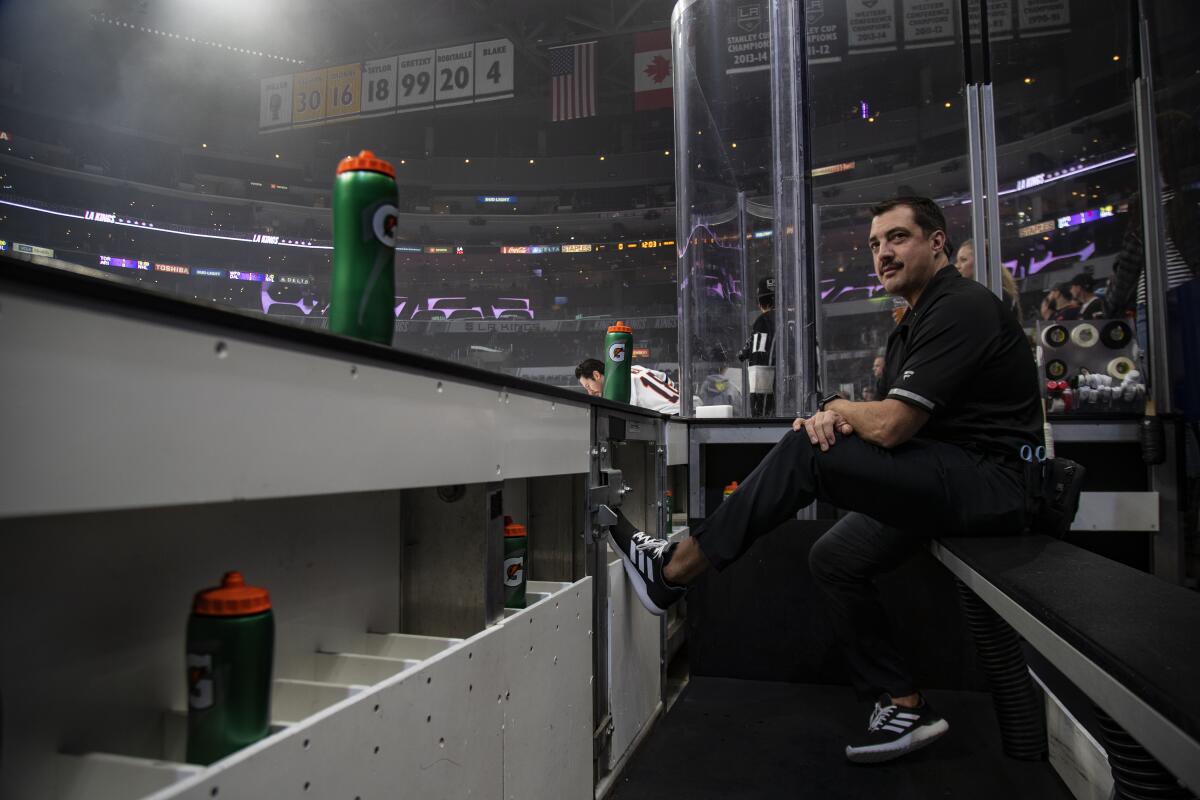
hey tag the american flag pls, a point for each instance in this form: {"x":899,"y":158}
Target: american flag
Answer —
{"x":573,"y":81}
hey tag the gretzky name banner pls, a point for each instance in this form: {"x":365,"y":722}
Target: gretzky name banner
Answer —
{"x":460,"y":75}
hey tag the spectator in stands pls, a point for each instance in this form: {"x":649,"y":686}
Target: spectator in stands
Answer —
{"x":1179,"y":155}
{"x":1082,"y":294}
{"x":873,"y":389}
{"x":648,"y":388}
{"x":964,"y":260}
{"x":1057,"y":305}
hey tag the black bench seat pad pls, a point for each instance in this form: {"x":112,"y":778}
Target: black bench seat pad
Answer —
{"x":1138,"y":628}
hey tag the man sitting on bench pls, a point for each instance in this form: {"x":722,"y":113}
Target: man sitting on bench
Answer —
{"x":946,"y":451}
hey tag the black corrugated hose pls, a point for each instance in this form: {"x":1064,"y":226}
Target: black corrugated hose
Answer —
{"x":1137,"y":775}
{"x":1019,"y":707}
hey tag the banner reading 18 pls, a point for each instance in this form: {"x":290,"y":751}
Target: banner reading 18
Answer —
{"x":379,"y":84}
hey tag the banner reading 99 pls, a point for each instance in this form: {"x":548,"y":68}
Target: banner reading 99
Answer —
{"x":415,"y":80}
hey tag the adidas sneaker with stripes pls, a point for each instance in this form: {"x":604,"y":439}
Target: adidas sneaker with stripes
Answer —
{"x":894,"y":730}
{"x":644,"y":558}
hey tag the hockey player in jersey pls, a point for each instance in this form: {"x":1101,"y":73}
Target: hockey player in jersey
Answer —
{"x":649,"y":388}
{"x":759,"y":351}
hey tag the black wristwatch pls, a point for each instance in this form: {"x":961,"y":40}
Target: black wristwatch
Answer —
{"x":827,"y":399}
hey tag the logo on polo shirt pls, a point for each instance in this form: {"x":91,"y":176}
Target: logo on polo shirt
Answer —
{"x":908,"y":373}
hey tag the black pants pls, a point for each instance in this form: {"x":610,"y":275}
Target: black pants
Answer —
{"x":899,"y":499}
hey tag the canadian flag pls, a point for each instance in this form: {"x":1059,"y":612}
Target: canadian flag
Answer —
{"x":652,"y":70}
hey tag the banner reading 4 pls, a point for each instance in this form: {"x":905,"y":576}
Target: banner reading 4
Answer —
{"x":493,"y":68}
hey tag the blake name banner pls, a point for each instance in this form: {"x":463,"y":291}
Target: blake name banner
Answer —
{"x":449,"y":76}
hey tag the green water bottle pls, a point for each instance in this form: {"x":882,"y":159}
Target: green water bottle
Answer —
{"x":618,"y":358}
{"x":514,"y":564}
{"x":230,"y":643}
{"x":363,"y":288}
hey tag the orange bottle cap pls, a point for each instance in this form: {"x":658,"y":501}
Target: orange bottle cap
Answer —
{"x":620,"y":327}
{"x":233,"y":598}
{"x":365,"y":160}
{"x":669,"y":493}
{"x":513,"y":530}
{"x":731,"y":487}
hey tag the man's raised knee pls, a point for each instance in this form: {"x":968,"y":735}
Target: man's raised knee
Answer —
{"x":796,"y":440}
{"x":820,"y":561}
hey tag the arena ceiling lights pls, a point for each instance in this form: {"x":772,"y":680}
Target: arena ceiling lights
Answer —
{"x":108,"y":19}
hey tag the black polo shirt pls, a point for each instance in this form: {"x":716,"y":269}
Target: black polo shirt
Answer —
{"x":962,"y":357}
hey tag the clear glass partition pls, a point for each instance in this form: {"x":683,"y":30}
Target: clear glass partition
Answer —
{"x":724,"y":202}
{"x":1176,"y":83}
{"x":888,"y":107}
{"x":880,"y":112}
{"x":1065,"y":142}
{"x":887,"y":115}
{"x":1067,"y":167}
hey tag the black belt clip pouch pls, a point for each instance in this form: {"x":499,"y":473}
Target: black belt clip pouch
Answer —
{"x":1055,"y":483}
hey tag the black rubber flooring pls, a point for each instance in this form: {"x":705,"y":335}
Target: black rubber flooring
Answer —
{"x":728,"y":738}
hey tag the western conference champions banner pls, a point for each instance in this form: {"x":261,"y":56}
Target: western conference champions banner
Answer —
{"x":449,"y":76}
{"x":841,"y":28}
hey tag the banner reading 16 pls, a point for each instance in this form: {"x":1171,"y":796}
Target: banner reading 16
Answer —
{"x":342,"y":93}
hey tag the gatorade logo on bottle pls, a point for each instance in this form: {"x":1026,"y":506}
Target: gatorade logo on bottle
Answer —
{"x":513,"y":571}
{"x":616,"y":351}
{"x":383,"y":223}
{"x":200,"y":680}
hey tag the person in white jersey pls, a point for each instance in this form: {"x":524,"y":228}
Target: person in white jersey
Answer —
{"x":649,"y":388}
